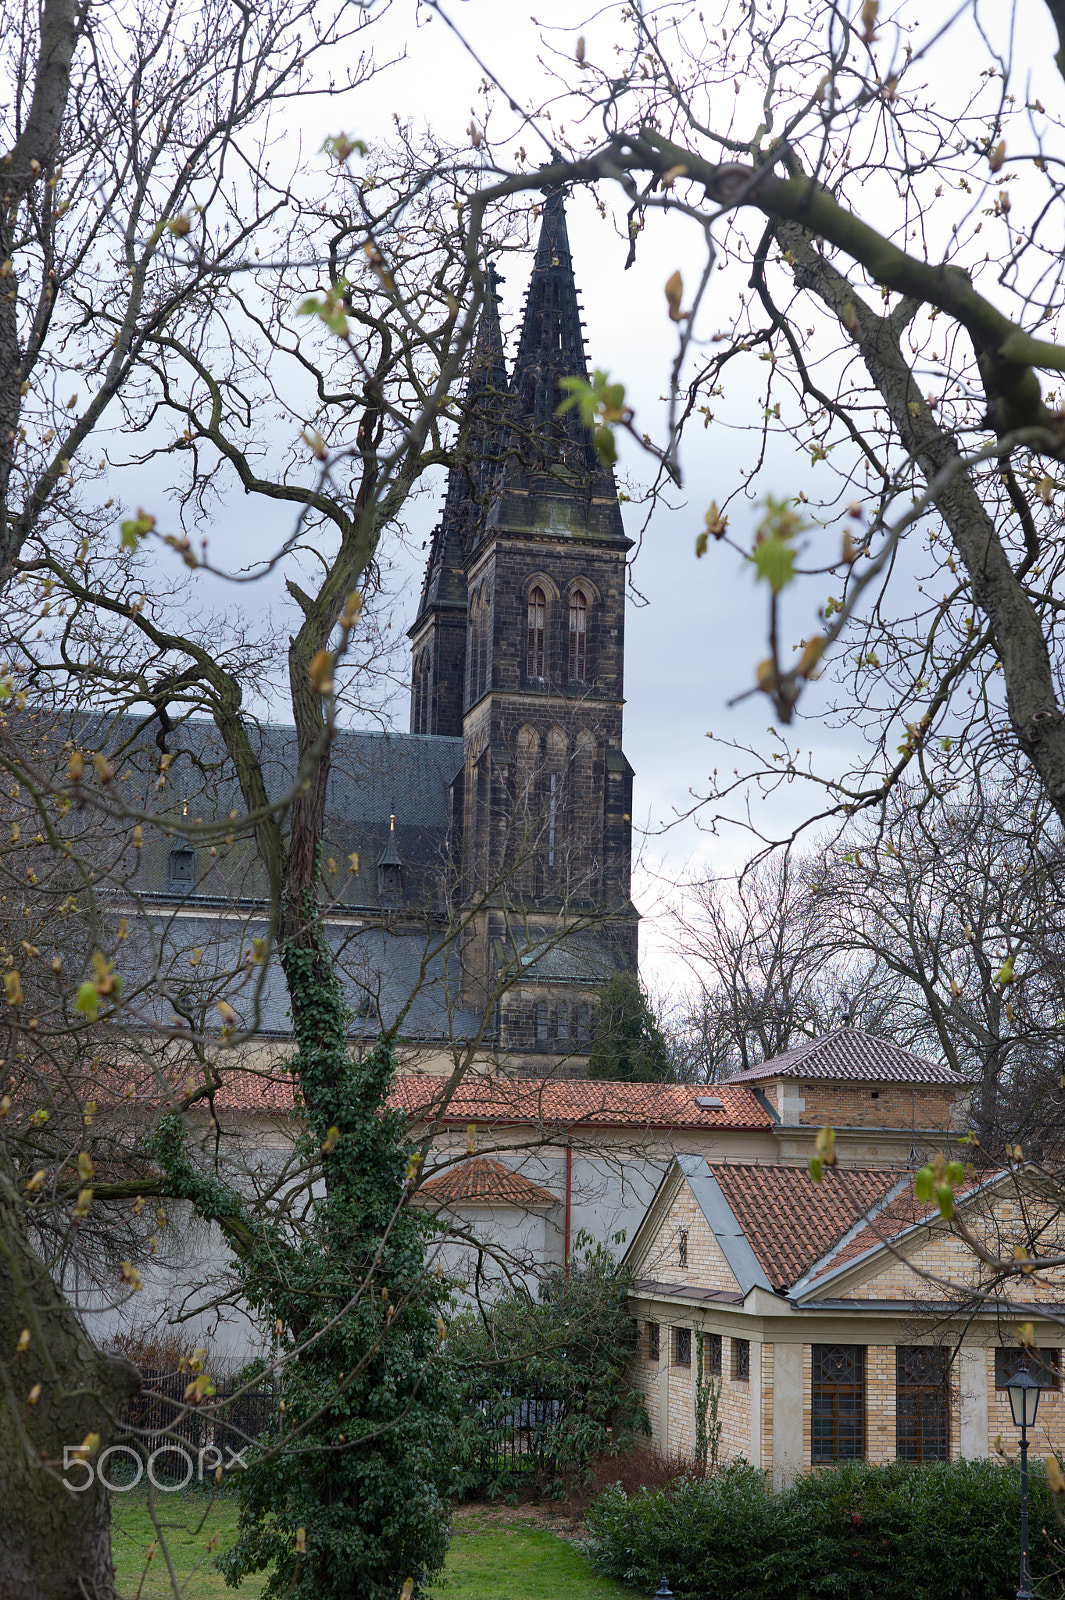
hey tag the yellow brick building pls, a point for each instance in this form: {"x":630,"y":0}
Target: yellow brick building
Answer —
{"x":845,"y":1320}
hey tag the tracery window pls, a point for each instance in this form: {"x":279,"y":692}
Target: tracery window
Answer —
{"x":922,"y":1402}
{"x":578,"y":636}
{"x":682,"y":1347}
{"x":741,"y":1360}
{"x":541,"y":1021}
{"x":837,"y":1402}
{"x":1045,"y":1365}
{"x":712,"y":1355}
{"x":421,"y":693}
{"x":537,"y":622}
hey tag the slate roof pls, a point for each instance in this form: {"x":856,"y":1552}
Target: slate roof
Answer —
{"x":586,"y":958}
{"x":575,"y":1102}
{"x":791,"y":1222}
{"x":478,"y":1179}
{"x":372,"y":775}
{"x":200,"y":957}
{"x":849,"y":1055}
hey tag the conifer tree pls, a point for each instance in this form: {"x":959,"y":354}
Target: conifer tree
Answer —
{"x":628,"y":1044}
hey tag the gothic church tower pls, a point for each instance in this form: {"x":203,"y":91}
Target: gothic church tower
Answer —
{"x":519,"y":645}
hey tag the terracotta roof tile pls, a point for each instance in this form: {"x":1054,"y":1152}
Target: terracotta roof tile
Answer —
{"x":480,"y":1179}
{"x":577,"y":1102}
{"x":853,"y":1056}
{"x":497,"y":1100}
{"x":790,"y":1221}
{"x":902,"y":1211}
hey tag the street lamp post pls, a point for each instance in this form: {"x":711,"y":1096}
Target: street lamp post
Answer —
{"x":1023,"y":1391}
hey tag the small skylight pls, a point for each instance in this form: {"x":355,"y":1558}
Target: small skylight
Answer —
{"x":709,"y":1102}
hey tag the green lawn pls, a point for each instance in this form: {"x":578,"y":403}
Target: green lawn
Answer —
{"x":518,"y":1562}
{"x":189,"y":1522}
{"x":490,"y":1559}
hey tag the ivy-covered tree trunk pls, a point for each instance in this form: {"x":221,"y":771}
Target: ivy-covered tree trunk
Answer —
{"x":57,"y":1390}
{"x":356,"y":1502}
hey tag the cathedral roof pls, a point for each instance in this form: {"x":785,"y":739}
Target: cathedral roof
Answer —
{"x":371,"y":776}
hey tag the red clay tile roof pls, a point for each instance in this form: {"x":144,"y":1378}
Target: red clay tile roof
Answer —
{"x":852,"y":1056}
{"x":480,"y":1179}
{"x":572,"y":1102}
{"x":498,"y":1100}
{"x":790,"y":1221}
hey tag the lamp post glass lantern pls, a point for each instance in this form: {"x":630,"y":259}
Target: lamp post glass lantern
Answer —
{"x":1023,"y":1391}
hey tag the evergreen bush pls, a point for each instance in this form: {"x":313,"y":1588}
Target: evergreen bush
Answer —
{"x":898,"y":1532}
{"x":568,"y":1353}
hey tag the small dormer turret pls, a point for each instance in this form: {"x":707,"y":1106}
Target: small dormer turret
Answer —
{"x":390,"y":869}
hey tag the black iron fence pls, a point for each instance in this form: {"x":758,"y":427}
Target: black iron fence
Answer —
{"x":511,"y":1435}
{"x":223,"y":1423}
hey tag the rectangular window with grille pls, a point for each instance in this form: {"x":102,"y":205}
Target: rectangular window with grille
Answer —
{"x":653,"y":1341}
{"x":922,"y":1403}
{"x":712,"y":1355}
{"x":837,"y":1402}
{"x":741,"y":1360}
{"x":682,"y":1247}
{"x":682,"y":1347}
{"x":1045,"y":1365}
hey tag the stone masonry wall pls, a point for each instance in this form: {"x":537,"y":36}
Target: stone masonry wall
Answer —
{"x":669,"y":1388}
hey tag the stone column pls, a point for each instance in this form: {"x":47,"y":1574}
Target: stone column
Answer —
{"x":787,"y":1413}
{"x":972,"y":1402}
{"x":755,"y":1455}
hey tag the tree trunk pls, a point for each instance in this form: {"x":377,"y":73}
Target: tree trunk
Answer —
{"x":56,"y":1544}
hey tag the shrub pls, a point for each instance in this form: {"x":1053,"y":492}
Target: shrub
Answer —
{"x":898,"y":1532}
{"x":711,"y":1536}
{"x":567,"y":1355}
{"x":642,"y":1467}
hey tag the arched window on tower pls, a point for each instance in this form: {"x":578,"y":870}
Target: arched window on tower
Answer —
{"x":557,"y":760}
{"x":482,"y":644}
{"x":578,"y":636}
{"x":471,"y":652}
{"x":417,"y":693}
{"x":537,"y":621}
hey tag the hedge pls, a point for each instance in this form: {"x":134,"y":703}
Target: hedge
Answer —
{"x":944,"y":1531}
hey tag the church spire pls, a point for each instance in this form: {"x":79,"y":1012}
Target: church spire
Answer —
{"x":551,"y":346}
{"x":553,"y":469}
{"x":438,"y":636}
{"x":477,"y":460}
